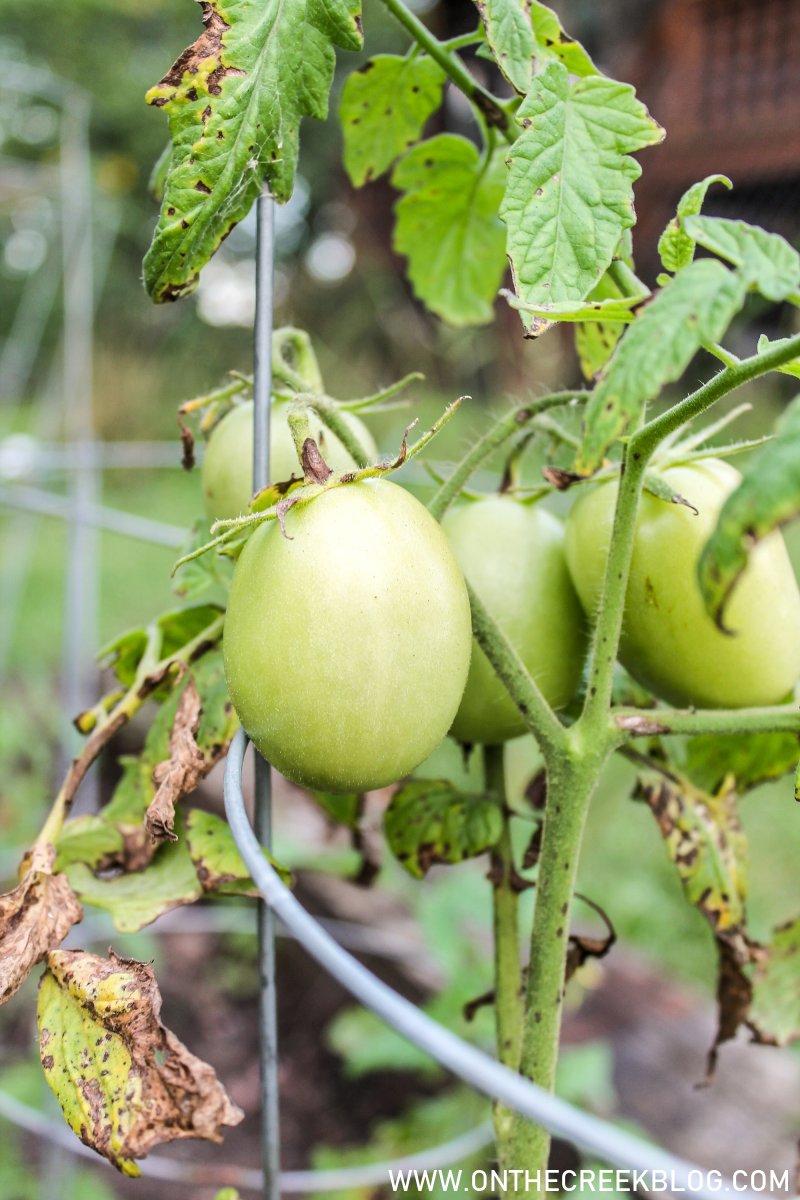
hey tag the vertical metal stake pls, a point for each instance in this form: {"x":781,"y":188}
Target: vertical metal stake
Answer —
{"x":262,"y":395}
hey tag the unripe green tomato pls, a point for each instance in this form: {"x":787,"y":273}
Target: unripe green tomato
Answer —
{"x":347,"y":648}
{"x":228,"y":461}
{"x":513,"y":556}
{"x":669,"y":642}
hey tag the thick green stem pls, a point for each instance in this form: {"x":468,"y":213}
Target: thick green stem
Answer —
{"x":502,"y":430}
{"x":486,"y":104}
{"x":507,"y":969}
{"x":627,"y":280}
{"x":634,"y":722}
{"x":571,"y":779}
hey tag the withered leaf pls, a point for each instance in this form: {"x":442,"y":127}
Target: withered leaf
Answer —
{"x":583,"y":946}
{"x":734,"y":993}
{"x":125,"y":1083}
{"x":179,"y":774}
{"x":35,"y":917}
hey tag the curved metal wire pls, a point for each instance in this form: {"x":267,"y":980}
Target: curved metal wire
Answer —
{"x":485,"y":1074}
{"x":291,"y":1182}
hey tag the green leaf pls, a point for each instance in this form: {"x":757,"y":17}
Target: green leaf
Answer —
{"x":775,"y":1008}
{"x":158,"y":175}
{"x":201,"y":574}
{"x":125,"y":1083}
{"x":791,"y":368}
{"x":173,"y":630}
{"x":767,"y":498}
{"x":569,"y":196}
{"x":675,"y":246}
{"x":87,"y":839}
{"x":137,"y":898}
{"x":343,"y":808}
{"x":749,"y":758}
{"x":429,"y":822}
{"x":384,"y":107}
{"x":234,"y":100}
{"x":521,"y":32}
{"x":615,"y":309}
{"x":595,"y":341}
{"x":448,"y":228}
{"x":217,"y":861}
{"x":766,"y":260}
{"x":704,"y":840}
{"x":695,"y":307}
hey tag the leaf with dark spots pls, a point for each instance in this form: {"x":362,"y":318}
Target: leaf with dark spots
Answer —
{"x":705,"y":841}
{"x":411,"y":87}
{"x":138,"y":897}
{"x":216,"y":860}
{"x":179,"y":774}
{"x":750,"y":758}
{"x":235,"y":99}
{"x":35,"y":917}
{"x":429,"y":821}
{"x":767,"y":498}
{"x":125,"y":1083}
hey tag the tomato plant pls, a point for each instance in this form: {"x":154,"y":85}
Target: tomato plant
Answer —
{"x":669,"y":641}
{"x":347,"y":624}
{"x":228,"y":459}
{"x":331,"y":711}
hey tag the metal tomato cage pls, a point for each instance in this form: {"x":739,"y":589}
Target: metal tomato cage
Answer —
{"x":279,"y":913}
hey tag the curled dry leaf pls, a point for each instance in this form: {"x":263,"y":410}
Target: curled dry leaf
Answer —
{"x":181,"y":773}
{"x":583,"y":947}
{"x":35,"y":917}
{"x":125,"y":1083}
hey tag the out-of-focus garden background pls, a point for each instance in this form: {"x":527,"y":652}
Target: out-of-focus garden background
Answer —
{"x":645,"y":1015}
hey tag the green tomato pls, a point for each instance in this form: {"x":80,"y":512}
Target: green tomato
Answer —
{"x":228,"y":461}
{"x":513,"y":556}
{"x":669,"y":643}
{"x":347,"y":648}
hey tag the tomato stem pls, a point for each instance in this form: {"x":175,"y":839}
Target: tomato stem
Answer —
{"x":507,"y":968}
{"x":502,"y":431}
{"x":490,"y":108}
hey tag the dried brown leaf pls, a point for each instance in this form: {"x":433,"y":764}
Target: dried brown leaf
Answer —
{"x":35,"y":917}
{"x":125,"y":1082}
{"x":180,"y":774}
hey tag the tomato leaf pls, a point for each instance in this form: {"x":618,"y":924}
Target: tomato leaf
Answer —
{"x":234,"y":100}
{"x":217,"y":861}
{"x":138,"y":898}
{"x":448,"y":228}
{"x":750,"y":758}
{"x":35,"y":917}
{"x":767,"y":498}
{"x":693,"y":308}
{"x":675,"y":246}
{"x":522,"y":33}
{"x":704,"y":840}
{"x":428,"y":821}
{"x":125,"y":1083}
{"x":791,"y":368}
{"x":765,"y":260}
{"x":775,"y":1009}
{"x":383,"y":111}
{"x":569,"y":196}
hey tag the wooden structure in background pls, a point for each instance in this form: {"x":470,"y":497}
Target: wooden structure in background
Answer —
{"x":722,"y":77}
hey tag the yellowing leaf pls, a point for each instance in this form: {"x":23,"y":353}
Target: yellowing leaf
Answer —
{"x":125,"y":1083}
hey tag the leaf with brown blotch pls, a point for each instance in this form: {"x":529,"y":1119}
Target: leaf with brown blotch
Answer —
{"x":179,"y":774}
{"x":35,"y":917}
{"x":125,"y":1083}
